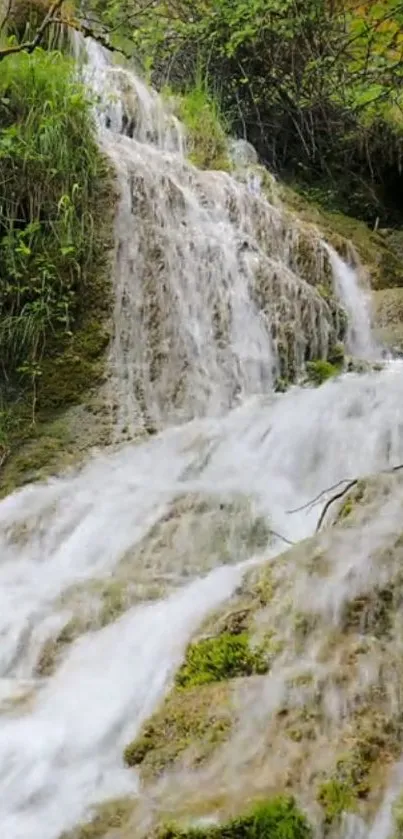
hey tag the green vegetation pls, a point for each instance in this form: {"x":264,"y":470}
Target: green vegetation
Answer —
{"x":56,"y":198}
{"x":377,"y":742}
{"x":198,"y":109}
{"x":110,"y":816}
{"x":195,"y":721}
{"x":224,"y":657}
{"x":314,"y":85}
{"x":278,"y":818}
{"x":336,"y":798}
{"x":319,"y":371}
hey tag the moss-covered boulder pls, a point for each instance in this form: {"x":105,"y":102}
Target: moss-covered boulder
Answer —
{"x":188,"y":727}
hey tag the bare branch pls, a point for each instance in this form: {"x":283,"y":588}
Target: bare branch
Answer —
{"x":6,"y":16}
{"x":30,"y":46}
{"x":332,"y":499}
{"x":318,"y":497}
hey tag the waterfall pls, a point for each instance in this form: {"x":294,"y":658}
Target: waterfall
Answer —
{"x":210,"y":295}
{"x":356,"y":302}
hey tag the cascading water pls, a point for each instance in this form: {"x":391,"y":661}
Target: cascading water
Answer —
{"x":207,"y":278}
{"x":356,"y":302}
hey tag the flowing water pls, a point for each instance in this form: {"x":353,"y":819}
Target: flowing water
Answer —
{"x":175,"y":518}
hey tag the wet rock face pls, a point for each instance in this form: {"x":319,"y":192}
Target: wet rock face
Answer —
{"x":388,"y":318}
{"x":219,"y":291}
{"x":242,"y":153}
{"x":324,"y":722}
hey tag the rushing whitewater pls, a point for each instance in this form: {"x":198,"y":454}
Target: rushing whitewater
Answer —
{"x":210,"y":299}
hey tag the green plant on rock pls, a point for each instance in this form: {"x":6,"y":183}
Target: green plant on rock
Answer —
{"x":111,"y":816}
{"x":336,"y":798}
{"x":351,"y":780}
{"x":278,"y":818}
{"x":52,"y":178}
{"x":319,"y":371}
{"x":195,"y":721}
{"x":199,"y":110}
{"x":224,"y":657}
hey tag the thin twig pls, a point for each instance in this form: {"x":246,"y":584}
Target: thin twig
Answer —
{"x":283,"y":538}
{"x":332,"y":499}
{"x":318,"y":497}
{"x":346,"y":489}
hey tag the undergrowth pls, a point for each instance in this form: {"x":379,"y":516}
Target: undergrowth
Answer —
{"x":205,"y":125}
{"x":53,"y":182}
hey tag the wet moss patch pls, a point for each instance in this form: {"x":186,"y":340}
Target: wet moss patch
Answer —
{"x":319,"y":371}
{"x":194,"y":721}
{"x":224,"y":657}
{"x":111,"y":816}
{"x":278,"y":818}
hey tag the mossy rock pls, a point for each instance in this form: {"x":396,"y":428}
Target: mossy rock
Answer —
{"x":190,"y":724}
{"x":44,"y":437}
{"x":110,"y":817}
{"x":377,"y":255}
{"x":278,"y":818}
{"x":53,"y":648}
{"x":388,"y":317}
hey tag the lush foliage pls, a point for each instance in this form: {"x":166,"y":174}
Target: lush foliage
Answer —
{"x":51,"y":181}
{"x":314,"y":84}
{"x":223,"y":657}
{"x":278,"y":818}
{"x":205,"y":126}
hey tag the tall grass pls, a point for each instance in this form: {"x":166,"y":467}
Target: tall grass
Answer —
{"x":51,"y":181}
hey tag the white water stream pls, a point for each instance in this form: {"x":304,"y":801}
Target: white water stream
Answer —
{"x":61,"y":745}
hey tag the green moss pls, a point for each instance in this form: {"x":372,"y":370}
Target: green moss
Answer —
{"x":194,"y":721}
{"x":354,"y":497}
{"x":52,"y":649}
{"x":398,"y":818}
{"x":336,"y":798}
{"x":377,"y":740}
{"x":319,"y":371}
{"x":224,"y":657}
{"x":278,"y":818}
{"x":111,"y":816}
{"x":372,"y":613}
{"x":336,"y":355}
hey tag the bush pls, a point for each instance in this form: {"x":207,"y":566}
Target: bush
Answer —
{"x":52,"y":182}
{"x":275,"y":819}
{"x":224,"y":657}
